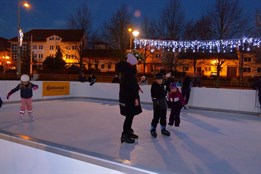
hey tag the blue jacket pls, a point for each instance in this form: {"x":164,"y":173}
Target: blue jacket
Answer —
{"x":26,"y":91}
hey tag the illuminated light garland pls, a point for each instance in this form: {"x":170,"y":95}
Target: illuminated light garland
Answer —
{"x":211,"y":46}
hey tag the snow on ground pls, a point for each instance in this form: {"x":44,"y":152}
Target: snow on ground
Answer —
{"x":207,"y":142}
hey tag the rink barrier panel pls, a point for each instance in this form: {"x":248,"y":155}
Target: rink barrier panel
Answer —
{"x":18,"y":147}
{"x":218,"y":99}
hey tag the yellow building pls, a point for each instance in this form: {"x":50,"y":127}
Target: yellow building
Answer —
{"x":45,"y":42}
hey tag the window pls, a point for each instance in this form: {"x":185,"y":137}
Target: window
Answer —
{"x":185,"y":68}
{"x":102,"y":66}
{"x":74,"y":47}
{"x":109,"y":66}
{"x":57,"y":38}
{"x":51,"y":38}
{"x":40,"y":56}
{"x":68,"y":48}
{"x":40,"y":47}
{"x":158,"y":56}
{"x":258,"y":70}
{"x":247,"y":59}
{"x":51,"y":47}
{"x":34,"y":47}
{"x":35,"y":56}
{"x":247,"y":69}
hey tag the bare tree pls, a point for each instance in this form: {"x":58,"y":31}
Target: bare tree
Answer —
{"x":198,"y":30}
{"x":171,"y":22}
{"x":227,"y":21}
{"x":81,"y":20}
{"x":116,"y":31}
{"x":148,"y":28}
{"x":170,"y":26}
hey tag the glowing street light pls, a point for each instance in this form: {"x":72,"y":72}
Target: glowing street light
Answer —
{"x":133,"y":33}
{"x":20,"y":34}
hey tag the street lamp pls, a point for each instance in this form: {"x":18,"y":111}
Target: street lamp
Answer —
{"x":20,"y":34}
{"x":134,"y":33}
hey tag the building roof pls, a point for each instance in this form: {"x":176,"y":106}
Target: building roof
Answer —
{"x":4,"y":44}
{"x":189,"y":55}
{"x":101,"y":53}
{"x":67,"y":35}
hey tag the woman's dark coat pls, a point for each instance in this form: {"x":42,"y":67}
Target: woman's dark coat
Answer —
{"x":129,"y":90}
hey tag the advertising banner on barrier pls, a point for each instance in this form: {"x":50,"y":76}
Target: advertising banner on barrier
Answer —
{"x":56,"y":88}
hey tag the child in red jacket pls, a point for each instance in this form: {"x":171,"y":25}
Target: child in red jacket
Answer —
{"x":175,"y":103}
{"x":26,"y":92}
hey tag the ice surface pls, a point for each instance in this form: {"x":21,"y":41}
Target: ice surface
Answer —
{"x":206,"y":143}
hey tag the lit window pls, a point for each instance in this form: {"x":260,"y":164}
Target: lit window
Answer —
{"x":185,"y":69}
{"x":51,"y":47}
{"x":247,"y":59}
{"x":40,"y":56}
{"x":247,"y":69}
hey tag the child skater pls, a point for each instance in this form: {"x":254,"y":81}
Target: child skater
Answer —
{"x":175,"y":103}
{"x":158,"y":96}
{"x":26,"y":92}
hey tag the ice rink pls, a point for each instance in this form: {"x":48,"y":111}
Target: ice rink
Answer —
{"x":207,"y":142}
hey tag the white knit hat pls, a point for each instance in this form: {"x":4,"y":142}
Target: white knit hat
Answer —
{"x":131,"y":59}
{"x":25,"y":78}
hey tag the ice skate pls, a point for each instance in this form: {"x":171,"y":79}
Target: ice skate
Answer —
{"x":126,"y":138}
{"x":31,"y":117}
{"x":132,"y":135}
{"x":153,"y":133}
{"x":21,"y":118}
{"x":165,"y":132}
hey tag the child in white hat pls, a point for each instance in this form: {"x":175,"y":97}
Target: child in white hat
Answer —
{"x":26,"y":92}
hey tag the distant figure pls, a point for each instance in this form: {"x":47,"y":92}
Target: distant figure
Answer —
{"x":1,"y":102}
{"x":257,"y":86}
{"x":26,"y":92}
{"x":116,"y":79}
{"x":82,"y":77}
{"x":168,"y":80}
{"x":158,"y":96}
{"x":197,"y":81}
{"x":143,"y":81}
{"x":185,"y":89}
{"x":91,"y":79}
{"x":175,"y":103}
{"x":129,"y":99}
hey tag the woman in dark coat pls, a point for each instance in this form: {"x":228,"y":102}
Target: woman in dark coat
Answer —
{"x":129,"y":97}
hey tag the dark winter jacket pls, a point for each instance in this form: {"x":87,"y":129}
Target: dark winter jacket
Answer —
{"x":26,"y":91}
{"x":129,"y":90}
{"x":187,"y":83}
{"x":257,"y":85}
{"x":158,"y":95}
{"x":175,"y":101}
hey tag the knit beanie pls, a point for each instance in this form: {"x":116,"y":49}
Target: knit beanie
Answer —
{"x":131,"y":59}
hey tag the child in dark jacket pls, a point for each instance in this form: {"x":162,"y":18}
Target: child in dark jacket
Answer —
{"x":175,"y":103}
{"x":26,"y":92}
{"x":158,"y":96}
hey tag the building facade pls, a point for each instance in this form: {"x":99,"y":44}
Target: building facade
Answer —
{"x":45,"y":42}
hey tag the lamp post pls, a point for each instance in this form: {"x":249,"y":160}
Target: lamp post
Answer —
{"x":20,"y":34}
{"x":133,"y":33}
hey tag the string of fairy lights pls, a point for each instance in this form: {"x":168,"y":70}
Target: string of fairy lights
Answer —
{"x":204,"y":46}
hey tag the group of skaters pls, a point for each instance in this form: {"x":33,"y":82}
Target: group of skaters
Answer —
{"x":164,"y":94}
{"x":164,"y":90}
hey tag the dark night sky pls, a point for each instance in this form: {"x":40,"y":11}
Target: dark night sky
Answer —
{"x":54,"y":13}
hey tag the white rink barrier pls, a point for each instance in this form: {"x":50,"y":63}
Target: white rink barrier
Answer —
{"x":235,"y":100}
{"x":23,"y":154}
